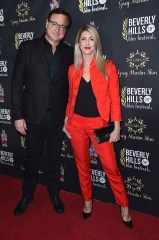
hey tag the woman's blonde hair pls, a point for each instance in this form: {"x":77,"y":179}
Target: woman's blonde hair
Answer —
{"x":100,"y":61}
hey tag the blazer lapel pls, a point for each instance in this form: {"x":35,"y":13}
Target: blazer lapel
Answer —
{"x":42,"y":55}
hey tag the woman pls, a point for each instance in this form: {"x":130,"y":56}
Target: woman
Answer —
{"x":93,"y":101}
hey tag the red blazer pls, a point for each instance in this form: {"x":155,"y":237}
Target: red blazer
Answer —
{"x":105,"y":90}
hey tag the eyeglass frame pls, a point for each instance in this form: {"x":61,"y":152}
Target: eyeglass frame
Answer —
{"x":62,"y":27}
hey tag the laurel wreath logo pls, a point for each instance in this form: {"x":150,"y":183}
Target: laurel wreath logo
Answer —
{"x":16,"y":41}
{"x":81,"y":5}
{"x":123,"y":96}
{"x":122,"y":157}
{"x":23,"y":142}
{"x":125,"y":31}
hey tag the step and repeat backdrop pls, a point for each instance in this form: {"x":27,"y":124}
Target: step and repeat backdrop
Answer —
{"x":129,"y":31}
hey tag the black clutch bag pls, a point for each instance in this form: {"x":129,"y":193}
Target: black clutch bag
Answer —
{"x":103,"y":134}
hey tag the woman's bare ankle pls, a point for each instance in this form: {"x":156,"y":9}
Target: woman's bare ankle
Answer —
{"x":125,"y":214}
{"x":87,"y":206}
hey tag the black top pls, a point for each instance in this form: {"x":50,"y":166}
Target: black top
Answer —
{"x":86,"y":102}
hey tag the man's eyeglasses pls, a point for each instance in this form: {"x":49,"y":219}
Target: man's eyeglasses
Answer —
{"x":55,"y":25}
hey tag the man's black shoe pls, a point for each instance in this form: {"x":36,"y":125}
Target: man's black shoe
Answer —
{"x":58,"y":204}
{"x":22,"y":206}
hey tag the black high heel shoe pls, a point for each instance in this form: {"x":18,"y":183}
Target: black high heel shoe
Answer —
{"x":86,"y":215}
{"x":129,"y":223}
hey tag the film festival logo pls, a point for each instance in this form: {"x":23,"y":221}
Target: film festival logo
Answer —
{"x":66,"y":150}
{"x":5,"y":116}
{"x":4,"y":139}
{"x":21,"y":37}
{"x":62,"y":173}
{"x":1,"y":94}
{"x":137,"y":59}
{"x":134,"y":159}
{"x":3,"y":68}
{"x":1,"y":18}
{"x":93,"y":154}
{"x":135,"y":128}
{"x":139,"y":28}
{"x":128,"y":3}
{"x":6,"y":158}
{"x":137,"y":62}
{"x":98,"y":178}
{"x":54,"y":4}
{"x":135,"y":188}
{"x":88,"y":6}
{"x":136,"y":98}
{"x":22,"y":12}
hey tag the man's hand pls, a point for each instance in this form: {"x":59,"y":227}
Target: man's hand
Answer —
{"x":20,"y":126}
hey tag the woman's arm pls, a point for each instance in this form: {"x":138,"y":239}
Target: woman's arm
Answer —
{"x":114,"y":93}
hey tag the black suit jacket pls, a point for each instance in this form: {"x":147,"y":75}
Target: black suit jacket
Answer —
{"x":32,"y":89}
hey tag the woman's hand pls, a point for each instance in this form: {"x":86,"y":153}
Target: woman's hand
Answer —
{"x":65,"y":130}
{"x":115,"y":135}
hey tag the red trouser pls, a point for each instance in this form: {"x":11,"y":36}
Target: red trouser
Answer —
{"x":81,"y":129}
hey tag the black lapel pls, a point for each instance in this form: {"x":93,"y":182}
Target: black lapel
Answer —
{"x":42,"y":55}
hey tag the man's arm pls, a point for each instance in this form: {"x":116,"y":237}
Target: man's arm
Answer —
{"x":17,"y":90}
{"x":17,"y":84}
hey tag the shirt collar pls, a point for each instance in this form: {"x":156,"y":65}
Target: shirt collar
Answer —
{"x":47,"y":44}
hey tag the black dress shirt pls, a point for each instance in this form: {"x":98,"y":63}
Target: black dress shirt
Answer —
{"x":52,"y":58}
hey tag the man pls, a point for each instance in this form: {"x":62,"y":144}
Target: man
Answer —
{"x":39,"y":98}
